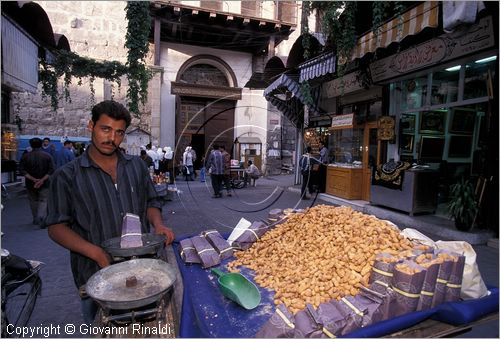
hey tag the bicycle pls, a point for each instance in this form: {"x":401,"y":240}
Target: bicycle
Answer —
{"x":21,"y":286}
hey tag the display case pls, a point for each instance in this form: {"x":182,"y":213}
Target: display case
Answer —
{"x":347,"y":145}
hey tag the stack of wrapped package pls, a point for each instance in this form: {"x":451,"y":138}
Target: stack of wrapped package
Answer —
{"x":207,"y":249}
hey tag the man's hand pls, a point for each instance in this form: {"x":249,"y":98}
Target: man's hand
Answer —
{"x":101,"y":257}
{"x":38,"y":183}
{"x":164,"y":230}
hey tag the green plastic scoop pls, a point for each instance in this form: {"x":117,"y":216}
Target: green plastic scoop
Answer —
{"x":238,"y":288}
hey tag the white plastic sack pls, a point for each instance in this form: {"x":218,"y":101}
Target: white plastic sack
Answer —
{"x":418,"y":237}
{"x":473,"y":285}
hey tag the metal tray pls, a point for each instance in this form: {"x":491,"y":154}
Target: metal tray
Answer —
{"x":108,"y":285}
{"x":151,"y":244}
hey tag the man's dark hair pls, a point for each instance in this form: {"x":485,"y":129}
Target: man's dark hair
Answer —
{"x":35,"y":142}
{"x":68,"y":142}
{"x":250,"y":162}
{"x":222,"y":147}
{"x":113,"y":110}
{"x":308,"y":149}
{"x":46,"y":138}
{"x":143,"y":152}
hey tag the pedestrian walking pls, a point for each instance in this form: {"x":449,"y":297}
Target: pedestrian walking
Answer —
{"x":65,"y":154}
{"x":306,"y":164}
{"x":49,"y":148}
{"x":227,"y":169}
{"x":187,"y":162}
{"x":90,"y":196}
{"x":37,"y":166}
{"x":215,"y":166}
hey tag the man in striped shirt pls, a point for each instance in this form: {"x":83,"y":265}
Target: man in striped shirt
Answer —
{"x":90,"y":196}
{"x":215,"y":166}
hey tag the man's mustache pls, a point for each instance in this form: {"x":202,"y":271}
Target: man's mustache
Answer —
{"x":109,"y":143}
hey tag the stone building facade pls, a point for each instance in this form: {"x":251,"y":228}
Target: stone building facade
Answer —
{"x":97,"y":29}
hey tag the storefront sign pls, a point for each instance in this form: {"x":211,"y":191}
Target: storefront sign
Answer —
{"x":446,"y":47}
{"x":274,"y":122}
{"x":340,"y":86}
{"x":343,"y":121}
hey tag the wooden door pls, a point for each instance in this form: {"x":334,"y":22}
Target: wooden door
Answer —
{"x":371,"y":156}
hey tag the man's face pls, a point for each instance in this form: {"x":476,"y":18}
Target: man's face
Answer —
{"x":45,"y":143}
{"x":107,"y":134}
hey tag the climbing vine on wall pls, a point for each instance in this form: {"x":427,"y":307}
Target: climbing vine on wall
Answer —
{"x":139,"y":25}
{"x":68,"y":65}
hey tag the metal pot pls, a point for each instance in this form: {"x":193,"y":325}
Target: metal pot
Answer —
{"x":151,"y":244}
{"x":108,"y":286}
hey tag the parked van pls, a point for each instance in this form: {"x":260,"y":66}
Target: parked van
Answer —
{"x":23,"y":142}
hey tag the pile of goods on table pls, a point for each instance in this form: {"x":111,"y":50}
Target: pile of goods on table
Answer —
{"x":335,"y":270}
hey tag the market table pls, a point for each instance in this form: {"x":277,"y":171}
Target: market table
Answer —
{"x":207,"y":313}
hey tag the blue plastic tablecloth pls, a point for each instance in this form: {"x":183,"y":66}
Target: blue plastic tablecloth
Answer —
{"x":207,"y":313}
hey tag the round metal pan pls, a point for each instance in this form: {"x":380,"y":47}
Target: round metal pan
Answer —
{"x":151,"y":244}
{"x":108,"y":286}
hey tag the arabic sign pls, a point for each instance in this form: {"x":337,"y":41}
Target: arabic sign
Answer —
{"x":340,"y":86}
{"x":445,"y":47}
{"x":342,"y":121}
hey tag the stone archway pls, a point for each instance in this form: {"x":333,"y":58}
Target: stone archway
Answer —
{"x":207,"y":91}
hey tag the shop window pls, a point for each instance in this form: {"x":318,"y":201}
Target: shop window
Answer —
{"x":347,"y":145}
{"x":413,"y":93}
{"x":477,"y":78}
{"x":445,"y":86}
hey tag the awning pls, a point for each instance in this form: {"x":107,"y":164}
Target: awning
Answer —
{"x":317,"y":67}
{"x":278,"y":94}
{"x":410,"y":23}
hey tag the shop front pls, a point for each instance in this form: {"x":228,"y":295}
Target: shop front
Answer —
{"x":353,"y":144}
{"x":440,"y":93}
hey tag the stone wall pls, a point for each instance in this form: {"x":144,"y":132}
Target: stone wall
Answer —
{"x":95,"y":29}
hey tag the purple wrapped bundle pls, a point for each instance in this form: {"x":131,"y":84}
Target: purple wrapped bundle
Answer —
{"x":188,"y":252}
{"x":372,"y":301}
{"x":280,"y":325}
{"x":383,"y":267}
{"x":308,"y":324}
{"x":388,"y":296}
{"x":220,"y":244}
{"x":250,"y":235}
{"x":407,"y":282}
{"x":208,"y":256}
{"x":454,"y":284}
{"x":332,"y":318}
{"x":354,"y":313}
{"x":445,"y":258}
{"x":427,"y":293}
{"x":131,"y":231}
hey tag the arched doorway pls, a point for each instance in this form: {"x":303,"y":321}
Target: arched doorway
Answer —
{"x":206,"y":91}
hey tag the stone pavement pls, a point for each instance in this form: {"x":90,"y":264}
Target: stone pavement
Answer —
{"x":190,"y":211}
